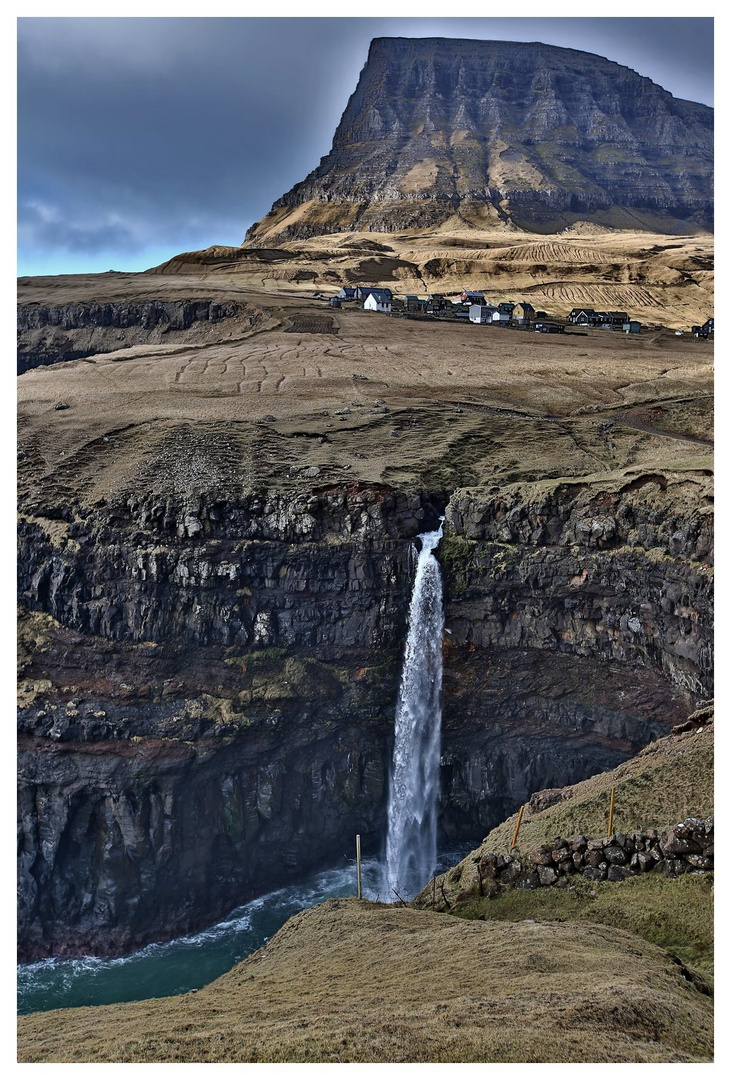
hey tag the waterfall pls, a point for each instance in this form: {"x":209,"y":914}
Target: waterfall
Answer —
{"x":411,"y":843}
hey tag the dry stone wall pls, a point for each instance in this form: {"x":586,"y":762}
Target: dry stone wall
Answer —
{"x":686,"y":848}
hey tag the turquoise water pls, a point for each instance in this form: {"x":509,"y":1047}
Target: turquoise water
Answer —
{"x":191,"y":962}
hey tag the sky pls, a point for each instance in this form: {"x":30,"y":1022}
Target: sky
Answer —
{"x":139,"y":138}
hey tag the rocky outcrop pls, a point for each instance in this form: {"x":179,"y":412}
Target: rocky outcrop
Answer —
{"x":500,"y":131}
{"x":208,"y":683}
{"x":50,"y":335}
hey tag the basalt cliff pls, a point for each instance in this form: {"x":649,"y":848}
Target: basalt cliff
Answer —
{"x":216,"y":557}
{"x":491,"y":133}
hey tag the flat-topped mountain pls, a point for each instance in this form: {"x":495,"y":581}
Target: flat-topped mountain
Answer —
{"x":492,"y":132}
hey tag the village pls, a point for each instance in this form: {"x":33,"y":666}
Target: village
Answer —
{"x":471,"y":306}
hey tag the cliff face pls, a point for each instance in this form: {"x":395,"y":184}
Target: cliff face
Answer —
{"x":498,"y":131}
{"x":51,"y":335}
{"x":208,"y":687}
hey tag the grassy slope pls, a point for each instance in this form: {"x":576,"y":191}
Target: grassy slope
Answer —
{"x":669,"y":780}
{"x":666,"y":782}
{"x":354,"y":981}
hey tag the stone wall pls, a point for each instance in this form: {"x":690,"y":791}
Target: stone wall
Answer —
{"x":686,"y":848}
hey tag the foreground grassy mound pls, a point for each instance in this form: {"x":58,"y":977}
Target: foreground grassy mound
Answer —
{"x":354,"y":981}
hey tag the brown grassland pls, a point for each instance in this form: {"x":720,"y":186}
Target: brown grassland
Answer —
{"x":437,"y":405}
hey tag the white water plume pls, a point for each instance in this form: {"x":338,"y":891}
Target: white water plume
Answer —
{"x":411,"y":843}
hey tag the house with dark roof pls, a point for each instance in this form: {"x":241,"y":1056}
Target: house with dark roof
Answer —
{"x":346,"y":294}
{"x":362,"y":291}
{"x":378,"y":300}
{"x":524,"y":312}
{"x":582,"y":316}
{"x":703,"y":331}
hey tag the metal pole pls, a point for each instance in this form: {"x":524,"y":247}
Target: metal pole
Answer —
{"x":517,"y":827}
{"x":611,"y":813}
{"x":357,"y":859}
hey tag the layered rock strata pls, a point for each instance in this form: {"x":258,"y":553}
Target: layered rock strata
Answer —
{"x":207,"y":686}
{"x":502,"y":131}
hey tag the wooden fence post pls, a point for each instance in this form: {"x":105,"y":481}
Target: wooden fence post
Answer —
{"x":611,"y":812}
{"x":357,"y":859}
{"x":517,"y":827}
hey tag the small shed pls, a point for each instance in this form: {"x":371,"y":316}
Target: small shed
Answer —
{"x":632,"y":327}
{"x":548,"y":328}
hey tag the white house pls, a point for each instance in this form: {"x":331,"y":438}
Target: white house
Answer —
{"x":481,"y":313}
{"x":378,"y":300}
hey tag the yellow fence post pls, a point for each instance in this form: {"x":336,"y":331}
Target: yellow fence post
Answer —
{"x":357,"y":859}
{"x":517,"y":827}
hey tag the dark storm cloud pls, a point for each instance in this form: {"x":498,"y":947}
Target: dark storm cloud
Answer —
{"x":142,"y":135}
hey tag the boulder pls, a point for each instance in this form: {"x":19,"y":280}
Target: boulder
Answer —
{"x":615,"y":855}
{"x":541,"y":856}
{"x":529,"y":880}
{"x":619,"y":873}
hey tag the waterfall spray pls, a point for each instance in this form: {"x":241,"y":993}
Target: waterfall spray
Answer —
{"x":411,"y":843}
